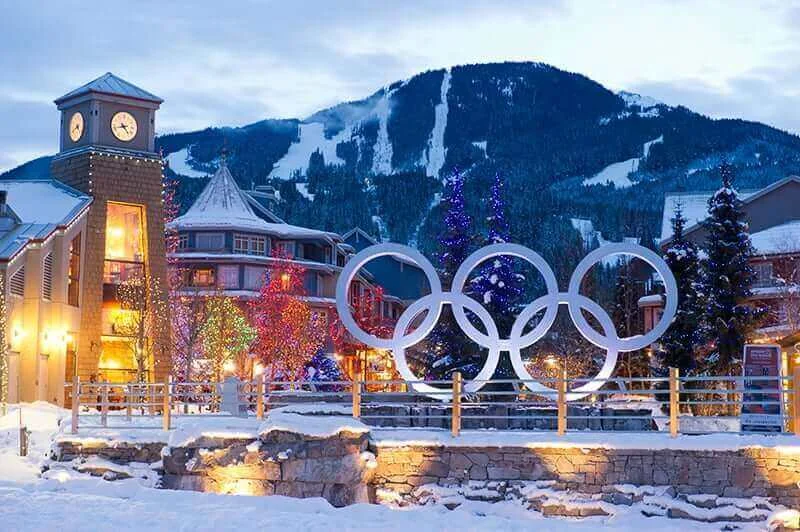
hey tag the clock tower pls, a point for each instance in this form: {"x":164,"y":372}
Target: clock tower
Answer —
{"x":107,"y":150}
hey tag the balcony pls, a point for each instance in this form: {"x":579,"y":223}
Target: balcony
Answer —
{"x":116,"y":272}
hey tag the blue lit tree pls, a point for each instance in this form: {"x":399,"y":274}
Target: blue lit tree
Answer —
{"x":498,"y":287}
{"x":323,"y":369}
{"x":448,"y":349}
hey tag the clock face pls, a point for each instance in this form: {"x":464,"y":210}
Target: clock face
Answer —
{"x":76,"y":127}
{"x":123,"y":126}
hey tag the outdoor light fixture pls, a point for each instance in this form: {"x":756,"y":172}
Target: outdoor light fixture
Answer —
{"x":229,"y":366}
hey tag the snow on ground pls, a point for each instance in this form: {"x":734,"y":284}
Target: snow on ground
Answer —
{"x":64,"y":499}
{"x":382,"y":151}
{"x":302,"y":188}
{"x":481,"y":145}
{"x":617,"y":173}
{"x":140,"y":508}
{"x":42,"y":421}
{"x":589,"y":234}
{"x":435,"y":153}
{"x":312,"y":138}
{"x":179,"y":163}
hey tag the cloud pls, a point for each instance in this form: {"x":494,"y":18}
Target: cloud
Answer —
{"x":236,"y":63}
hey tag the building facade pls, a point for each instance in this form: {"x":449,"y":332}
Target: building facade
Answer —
{"x":101,"y":226}
{"x":773,"y":214}
{"x":229,"y":240}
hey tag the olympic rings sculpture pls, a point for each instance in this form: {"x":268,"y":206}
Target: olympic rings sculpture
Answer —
{"x":572,"y":298}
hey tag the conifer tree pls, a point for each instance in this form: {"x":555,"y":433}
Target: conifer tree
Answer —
{"x":679,"y":344}
{"x":498,"y":287}
{"x":448,"y":349}
{"x":728,"y":277}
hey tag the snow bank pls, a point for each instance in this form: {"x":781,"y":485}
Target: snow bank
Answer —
{"x":314,"y":426}
{"x":785,"y":443}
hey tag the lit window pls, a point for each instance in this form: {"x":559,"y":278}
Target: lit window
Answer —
{"x":74,"y":274}
{"x":209,"y":241}
{"x":203,"y":277}
{"x":228,"y":276}
{"x":124,"y":234}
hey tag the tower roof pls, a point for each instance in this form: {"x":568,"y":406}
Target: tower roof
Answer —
{"x":110,"y":84}
{"x":221,"y":204}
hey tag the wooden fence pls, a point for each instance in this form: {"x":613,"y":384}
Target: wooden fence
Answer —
{"x":508,"y":401}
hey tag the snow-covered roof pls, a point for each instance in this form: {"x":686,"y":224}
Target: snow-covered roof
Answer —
{"x":694,"y":206}
{"x":221,"y":205}
{"x":108,"y":83}
{"x":784,"y":238}
{"x":41,"y":206}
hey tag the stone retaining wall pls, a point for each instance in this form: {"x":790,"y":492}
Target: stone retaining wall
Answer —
{"x":117,"y":452}
{"x":279,"y":463}
{"x":745,"y":472}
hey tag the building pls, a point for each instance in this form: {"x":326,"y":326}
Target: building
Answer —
{"x":71,"y":240}
{"x":774,"y":217}
{"x":229,"y":239}
{"x":42,"y":228}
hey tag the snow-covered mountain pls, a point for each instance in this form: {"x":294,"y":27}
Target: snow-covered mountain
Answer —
{"x":567,"y":147}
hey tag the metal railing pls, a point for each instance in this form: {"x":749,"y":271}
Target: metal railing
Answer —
{"x":674,"y":404}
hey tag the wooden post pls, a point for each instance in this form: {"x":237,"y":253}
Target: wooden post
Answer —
{"x":76,"y":402}
{"x":104,"y":405}
{"x":562,"y":403}
{"x":167,"y":406}
{"x":357,"y":396}
{"x":674,"y":403}
{"x":260,"y":398}
{"x":128,"y":399}
{"x":455,"y":422}
{"x":796,"y":399}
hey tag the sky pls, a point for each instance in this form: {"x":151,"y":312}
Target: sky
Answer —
{"x":237,"y":62}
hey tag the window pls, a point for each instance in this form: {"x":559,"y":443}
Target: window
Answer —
{"x":47,"y":277}
{"x":763,"y":272}
{"x":74,"y":274}
{"x":124,"y":232}
{"x":17,"y":282}
{"x":253,"y":277}
{"x":203,"y":277}
{"x":284,"y":248}
{"x":249,"y":245}
{"x":241,"y":244}
{"x":183,"y":241}
{"x":258,"y":245}
{"x":228,"y":276}
{"x":210,"y":241}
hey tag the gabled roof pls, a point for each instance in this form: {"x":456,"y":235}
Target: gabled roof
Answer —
{"x":220,"y":205}
{"x":40,"y":207}
{"x":110,"y":84}
{"x":695,"y":205}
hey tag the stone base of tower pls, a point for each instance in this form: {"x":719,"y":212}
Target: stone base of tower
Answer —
{"x":117,"y":181}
